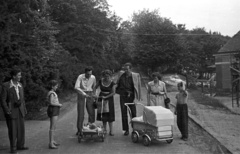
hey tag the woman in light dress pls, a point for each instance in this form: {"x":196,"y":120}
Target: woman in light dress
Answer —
{"x":156,"y":91}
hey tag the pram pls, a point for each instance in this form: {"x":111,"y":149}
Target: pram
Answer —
{"x":88,"y":132}
{"x":155,"y":124}
{"x":91,"y":131}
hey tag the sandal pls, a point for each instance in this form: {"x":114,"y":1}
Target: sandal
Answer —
{"x":111,"y":134}
{"x":56,"y":144}
{"x":52,"y":146}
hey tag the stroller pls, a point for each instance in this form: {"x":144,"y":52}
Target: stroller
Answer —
{"x":155,"y":124}
{"x":91,"y":131}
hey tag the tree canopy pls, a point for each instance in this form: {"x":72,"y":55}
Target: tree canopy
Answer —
{"x":56,"y":39}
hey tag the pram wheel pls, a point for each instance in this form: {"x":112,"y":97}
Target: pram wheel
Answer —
{"x":169,"y":141}
{"x":134,"y":137}
{"x":146,"y":140}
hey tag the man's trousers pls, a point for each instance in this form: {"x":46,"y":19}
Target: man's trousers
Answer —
{"x":82,"y":100}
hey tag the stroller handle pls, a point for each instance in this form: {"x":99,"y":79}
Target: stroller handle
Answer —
{"x":128,"y":108}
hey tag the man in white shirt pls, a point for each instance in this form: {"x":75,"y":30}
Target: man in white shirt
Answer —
{"x":85,"y":87}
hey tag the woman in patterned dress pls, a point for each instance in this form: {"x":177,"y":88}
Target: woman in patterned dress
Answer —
{"x":107,"y":91}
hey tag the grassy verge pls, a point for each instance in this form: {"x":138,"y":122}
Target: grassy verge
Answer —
{"x":202,"y":99}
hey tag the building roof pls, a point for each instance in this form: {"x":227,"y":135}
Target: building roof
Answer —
{"x":232,"y":45}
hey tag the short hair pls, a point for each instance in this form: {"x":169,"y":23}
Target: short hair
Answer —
{"x":106,"y":72}
{"x":52,"y":83}
{"x":89,"y":68}
{"x":15,"y":71}
{"x":180,"y":84}
{"x":128,"y":64}
{"x":157,"y":74}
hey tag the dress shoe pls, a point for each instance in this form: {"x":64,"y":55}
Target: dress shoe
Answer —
{"x":22,"y":148}
{"x":184,"y":139}
{"x":126,"y":133}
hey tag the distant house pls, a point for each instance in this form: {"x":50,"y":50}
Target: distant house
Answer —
{"x":223,"y":60}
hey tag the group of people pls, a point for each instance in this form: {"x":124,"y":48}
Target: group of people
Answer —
{"x":128,"y":86}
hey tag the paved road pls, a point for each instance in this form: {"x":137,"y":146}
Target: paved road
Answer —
{"x":37,"y":138}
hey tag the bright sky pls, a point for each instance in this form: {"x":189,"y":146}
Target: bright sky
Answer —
{"x":216,"y":15}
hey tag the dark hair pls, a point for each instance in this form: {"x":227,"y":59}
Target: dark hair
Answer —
{"x":180,"y":84}
{"x":14,"y":72}
{"x":106,"y":72}
{"x":128,"y":64}
{"x":89,"y":68}
{"x":52,"y":83}
{"x":157,"y":74}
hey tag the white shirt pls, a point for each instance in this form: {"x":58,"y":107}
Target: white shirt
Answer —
{"x":84,"y":84}
{"x":54,"y":98}
{"x":16,"y":88}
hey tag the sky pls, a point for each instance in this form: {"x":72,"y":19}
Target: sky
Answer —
{"x":216,"y":15}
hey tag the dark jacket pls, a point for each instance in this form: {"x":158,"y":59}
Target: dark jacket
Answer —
{"x":9,"y":100}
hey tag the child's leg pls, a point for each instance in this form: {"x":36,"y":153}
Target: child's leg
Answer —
{"x":185,"y":121}
{"x":179,"y":118}
{"x":105,"y":126}
{"x":53,"y":121}
{"x":111,"y":128}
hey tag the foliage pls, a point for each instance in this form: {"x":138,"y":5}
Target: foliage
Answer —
{"x":57,"y":39}
{"x":163,"y":46}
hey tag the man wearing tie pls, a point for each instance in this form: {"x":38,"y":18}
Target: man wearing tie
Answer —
{"x":13,"y":104}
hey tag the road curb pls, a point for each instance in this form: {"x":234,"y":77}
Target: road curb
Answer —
{"x":209,"y":131}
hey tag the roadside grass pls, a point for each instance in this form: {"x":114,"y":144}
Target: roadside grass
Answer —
{"x":206,"y":100}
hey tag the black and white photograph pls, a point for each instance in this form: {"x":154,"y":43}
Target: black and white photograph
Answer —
{"x":120,"y":76}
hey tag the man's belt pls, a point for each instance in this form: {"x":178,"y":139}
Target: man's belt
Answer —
{"x":155,"y":93}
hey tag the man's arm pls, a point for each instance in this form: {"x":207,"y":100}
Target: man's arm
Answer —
{"x":6,"y":109}
{"x":94,"y":85}
{"x":24,"y":104}
{"x":77,"y":86}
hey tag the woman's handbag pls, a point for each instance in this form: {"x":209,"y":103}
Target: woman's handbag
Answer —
{"x":95,"y":104}
{"x":102,"y":105}
{"x":167,"y":102}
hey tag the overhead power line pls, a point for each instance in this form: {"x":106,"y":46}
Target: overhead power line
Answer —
{"x":129,"y":33}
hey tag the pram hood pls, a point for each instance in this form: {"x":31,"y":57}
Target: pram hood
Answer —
{"x":158,"y":116}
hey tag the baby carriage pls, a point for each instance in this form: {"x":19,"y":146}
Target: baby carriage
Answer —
{"x":91,"y":131}
{"x":156,"y":123}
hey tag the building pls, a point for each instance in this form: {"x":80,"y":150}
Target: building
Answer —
{"x":223,"y":60}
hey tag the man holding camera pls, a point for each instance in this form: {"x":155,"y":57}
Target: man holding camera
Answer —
{"x":13,"y":104}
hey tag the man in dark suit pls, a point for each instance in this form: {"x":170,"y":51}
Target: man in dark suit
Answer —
{"x":13,"y":104}
{"x":129,"y":89}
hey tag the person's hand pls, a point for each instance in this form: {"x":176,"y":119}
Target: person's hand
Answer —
{"x":60,"y":105}
{"x":95,"y":96}
{"x":104,"y":97}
